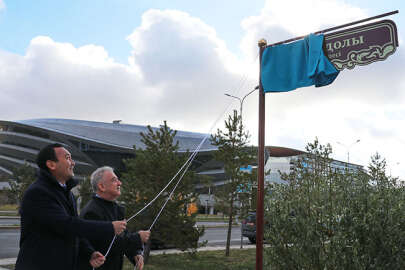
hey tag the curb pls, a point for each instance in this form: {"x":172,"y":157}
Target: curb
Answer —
{"x":214,"y":248}
{"x":10,"y":217}
{"x":7,"y":261}
{"x":205,"y":226}
{"x":216,"y":226}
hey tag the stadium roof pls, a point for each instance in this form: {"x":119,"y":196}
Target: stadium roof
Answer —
{"x":277,"y":151}
{"x":115,"y":134}
{"x":125,"y":136}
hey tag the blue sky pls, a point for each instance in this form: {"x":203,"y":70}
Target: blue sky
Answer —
{"x":148,"y":61}
{"x":107,"y":23}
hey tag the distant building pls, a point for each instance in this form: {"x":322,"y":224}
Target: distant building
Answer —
{"x":283,"y":160}
{"x":94,"y":144}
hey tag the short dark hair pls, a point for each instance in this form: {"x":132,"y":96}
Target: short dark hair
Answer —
{"x":47,"y":153}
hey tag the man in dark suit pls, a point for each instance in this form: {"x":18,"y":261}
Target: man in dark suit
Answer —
{"x":51,"y":230}
{"x":102,"y":206}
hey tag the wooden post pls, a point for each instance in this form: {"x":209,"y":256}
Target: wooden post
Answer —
{"x":260,"y":176}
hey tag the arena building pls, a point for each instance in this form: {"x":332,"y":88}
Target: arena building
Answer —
{"x":94,"y":144}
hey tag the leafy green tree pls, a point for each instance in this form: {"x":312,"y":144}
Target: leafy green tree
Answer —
{"x":146,"y":175}
{"x":380,"y":206}
{"x":22,"y":178}
{"x":234,"y":153}
{"x":327,"y":218}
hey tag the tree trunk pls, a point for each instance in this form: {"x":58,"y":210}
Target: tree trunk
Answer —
{"x":228,"y":238}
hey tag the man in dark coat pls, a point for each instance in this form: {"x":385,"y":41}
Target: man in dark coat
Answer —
{"x":51,"y":230}
{"x":102,"y":206}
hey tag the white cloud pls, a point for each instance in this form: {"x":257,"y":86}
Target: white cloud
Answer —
{"x":281,"y":20}
{"x":379,"y":84}
{"x":2,"y":5}
{"x":187,"y":61}
{"x":365,"y":103}
{"x":179,"y":70}
{"x":42,"y":47}
{"x":303,"y":17}
{"x":171,"y":44}
{"x":58,"y":80}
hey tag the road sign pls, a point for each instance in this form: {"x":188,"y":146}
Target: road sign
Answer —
{"x":362,"y":45}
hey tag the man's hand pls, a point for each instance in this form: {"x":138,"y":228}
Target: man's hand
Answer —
{"x":139,"y":262}
{"x":97,"y":259}
{"x":144,"y":236}
{"x":119,"y":226}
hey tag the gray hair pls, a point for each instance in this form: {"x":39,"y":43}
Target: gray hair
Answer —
{"x":97,"y":176}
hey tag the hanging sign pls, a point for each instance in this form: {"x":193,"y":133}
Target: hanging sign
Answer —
{"x":361,"y":45}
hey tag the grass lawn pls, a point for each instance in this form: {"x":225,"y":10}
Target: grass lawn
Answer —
{"x":8,"y":207}
{"x":239,"y":259}
{"x":11,"y":210}
{"x":9,"y":214}
{"x":203,"y":260}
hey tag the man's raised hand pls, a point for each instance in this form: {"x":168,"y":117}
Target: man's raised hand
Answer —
{"x":144,"y":236}
{"x":119,"y":226}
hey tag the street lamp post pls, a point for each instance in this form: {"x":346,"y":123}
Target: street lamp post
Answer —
{"x":242,"y":99}
{"x":348,"y":148}
{"x":240,"y":111}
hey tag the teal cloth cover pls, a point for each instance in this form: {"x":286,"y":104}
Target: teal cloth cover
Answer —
{"x":286,"y":67}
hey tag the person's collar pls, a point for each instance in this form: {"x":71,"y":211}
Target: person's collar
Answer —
{"x":71,"y":183}
{"x":62,"y":185}
{"x":97,"y":196}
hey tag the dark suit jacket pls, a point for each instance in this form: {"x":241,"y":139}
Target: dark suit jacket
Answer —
{"x":51,"y":230}
{"x":126,"y":243}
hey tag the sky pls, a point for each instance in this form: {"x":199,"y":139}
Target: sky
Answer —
{"x":147,"y":61}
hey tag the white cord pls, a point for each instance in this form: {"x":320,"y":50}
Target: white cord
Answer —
{"x":187,"y":163}
{"x":109,"y":248}
{"x":171,"y":193}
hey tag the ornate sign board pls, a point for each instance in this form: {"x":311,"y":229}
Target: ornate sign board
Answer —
{"x":361,"y":45}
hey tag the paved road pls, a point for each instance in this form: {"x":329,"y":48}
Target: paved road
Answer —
{"x":9,"y":221}
{"x":209,"y":223}
{"x":9,"y":239}
{"x":217,"y":236}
